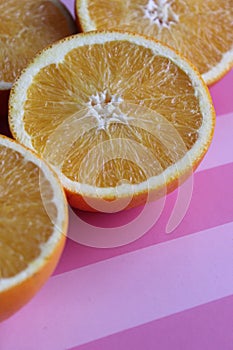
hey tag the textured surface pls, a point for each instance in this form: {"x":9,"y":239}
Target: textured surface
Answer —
{"x":200,"y":30}
{"x":17,"y":27}
{"x":96,"y":93}
{"x":24,"y":222}
{"x":159,"y":292}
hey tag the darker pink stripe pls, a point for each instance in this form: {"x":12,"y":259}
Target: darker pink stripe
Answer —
{"x":209,"y":326}
{"x":211,"y":205}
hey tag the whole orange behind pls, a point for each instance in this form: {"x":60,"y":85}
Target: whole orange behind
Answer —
{"x":33,"y":225}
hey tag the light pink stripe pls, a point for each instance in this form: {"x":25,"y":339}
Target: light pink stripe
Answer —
{"x":70,"y":5}
{"x":220,"y":152}
{"x":206,"y":327}
{"x":222,"y":94}
{"x":120,"y":293}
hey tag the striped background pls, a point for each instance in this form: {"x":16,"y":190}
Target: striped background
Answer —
{"x":160,"y":292}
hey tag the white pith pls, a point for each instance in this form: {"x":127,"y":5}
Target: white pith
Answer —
{"x":60,"y":226}
{"x":104,"y":108}
{"x":224,"y":65}
{"x":56,"y":55}
{"x":160,"y":13}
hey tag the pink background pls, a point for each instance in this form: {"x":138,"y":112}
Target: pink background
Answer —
{"x":163,"y":291}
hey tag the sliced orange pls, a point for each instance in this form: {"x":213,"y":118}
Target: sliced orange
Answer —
{"x":201,"y":30}
{"x":117,"y":115}
{"x":26,"y":27}
{"x":33,"y":224}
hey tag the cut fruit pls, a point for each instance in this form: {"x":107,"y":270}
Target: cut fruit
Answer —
{"x":26,"y":27}
{"x":119,"y":116}
{"x":202,"y":31}
{"x":33,"y":224}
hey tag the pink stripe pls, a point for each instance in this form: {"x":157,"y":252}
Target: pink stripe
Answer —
{"x":198,"y":217}
{"x":205,"y":327}
{"x":107,"y":297}
{"x":219,"y":152}
{"x":222,"y":94}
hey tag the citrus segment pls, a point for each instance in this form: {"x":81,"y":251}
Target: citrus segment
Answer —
{"x":201,"y":30}
{"x":26,"y":27}
{"x":109,"y":109}
{"x":33,"y":224}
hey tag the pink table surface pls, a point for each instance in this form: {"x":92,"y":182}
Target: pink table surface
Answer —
{"x":162,"y":291}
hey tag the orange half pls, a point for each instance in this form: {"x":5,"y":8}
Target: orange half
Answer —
{"x":202,"y":31}
{"x":33,"y":225}
{"x":117,"y":115}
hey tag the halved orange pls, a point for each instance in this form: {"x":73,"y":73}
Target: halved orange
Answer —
{"x":33,"y":224}
{"x":117,"y":115}
{"x":26,"y":27}
{"x":201,"y":30}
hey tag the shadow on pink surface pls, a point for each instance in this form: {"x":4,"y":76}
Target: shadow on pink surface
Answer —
{"x":211,"y":205}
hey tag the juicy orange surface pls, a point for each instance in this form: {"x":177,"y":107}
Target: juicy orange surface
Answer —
{"x":33,"y":224}
{"x":27,"y":26}
{"x":25,"y":224}
{"x":201,"y":30}
{"x":90,"y":79}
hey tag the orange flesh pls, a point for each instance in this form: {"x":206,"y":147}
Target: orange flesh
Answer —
{"x":130,"y":74}
{"x":27,"y":26}
{"x":201,"y":30}
{"x":24,"y":222}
